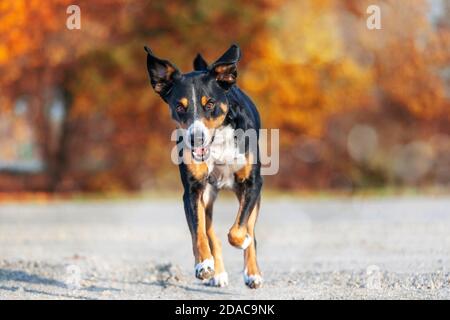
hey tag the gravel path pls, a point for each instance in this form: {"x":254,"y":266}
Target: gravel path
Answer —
{"x":308,"y":249}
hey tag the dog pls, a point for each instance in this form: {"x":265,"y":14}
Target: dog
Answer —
{"x":208,"y":104}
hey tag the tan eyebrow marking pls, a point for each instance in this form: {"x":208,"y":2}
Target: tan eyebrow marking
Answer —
{"x":224,"y":107}
{"x":204,"y":100}
{"x":184,"y":102}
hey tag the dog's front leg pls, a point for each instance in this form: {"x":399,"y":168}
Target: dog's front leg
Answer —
{"x":242,"y":233}
{"x":248,"y":193}
{"x":252,"y":273}
{"x":195,"y":214}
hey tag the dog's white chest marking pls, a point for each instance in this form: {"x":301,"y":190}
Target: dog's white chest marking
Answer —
{"x":224,"y":159}
{"x":224,"y":176}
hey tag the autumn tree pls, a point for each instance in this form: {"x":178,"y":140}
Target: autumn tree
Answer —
{"x":37,"y":53}
{"x":313,"y":68}
{"x":114,"y":130}
{"x":300,"y":74}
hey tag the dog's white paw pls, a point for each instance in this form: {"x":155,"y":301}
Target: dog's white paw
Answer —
{"x":247,"y":242}
{"x":253,"y":281}
{"x":205,"y":269}
{"x":219,"y":280}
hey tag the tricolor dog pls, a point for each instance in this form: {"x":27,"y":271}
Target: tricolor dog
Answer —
{"x":209,"y":106}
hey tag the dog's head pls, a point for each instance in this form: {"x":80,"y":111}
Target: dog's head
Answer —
{"x":197,"y":100}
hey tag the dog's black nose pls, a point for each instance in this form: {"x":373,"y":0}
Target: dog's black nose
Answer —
{"x":197,"y":138}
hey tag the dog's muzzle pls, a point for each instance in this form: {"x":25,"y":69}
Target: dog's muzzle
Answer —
{"x":199,"y":140}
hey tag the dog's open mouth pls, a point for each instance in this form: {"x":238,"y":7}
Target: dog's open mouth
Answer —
{"x":200,"y":153}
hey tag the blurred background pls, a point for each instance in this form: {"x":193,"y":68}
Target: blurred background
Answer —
{"x":357,"y":109}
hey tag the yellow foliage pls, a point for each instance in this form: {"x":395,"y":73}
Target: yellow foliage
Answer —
{"x":301,"y":75}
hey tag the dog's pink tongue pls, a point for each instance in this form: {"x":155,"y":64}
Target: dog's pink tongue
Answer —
{"x":199,"y":151}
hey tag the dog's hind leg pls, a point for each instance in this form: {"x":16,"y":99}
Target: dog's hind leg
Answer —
{"x":220,"y":278}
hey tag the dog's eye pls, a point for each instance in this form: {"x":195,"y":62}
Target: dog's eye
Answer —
{"x":180,"y":108}
{"x":210,"y":104}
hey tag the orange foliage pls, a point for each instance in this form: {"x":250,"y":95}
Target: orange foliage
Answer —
{"x":299,"y":72}
{"x":409,"y":54}
{"x":312,"y":67}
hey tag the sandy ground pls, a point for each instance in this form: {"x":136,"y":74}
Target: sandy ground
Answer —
{"x":308,"y":249}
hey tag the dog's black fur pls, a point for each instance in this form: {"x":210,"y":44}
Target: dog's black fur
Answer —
{"x":209,"y":94}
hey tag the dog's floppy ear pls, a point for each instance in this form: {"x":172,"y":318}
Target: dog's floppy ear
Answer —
{"x":225,"y":68}
{"x":200,"y":64}
{"x":162,"y":73}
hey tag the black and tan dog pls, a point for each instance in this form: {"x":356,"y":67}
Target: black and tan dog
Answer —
{"x":209,"y":105}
